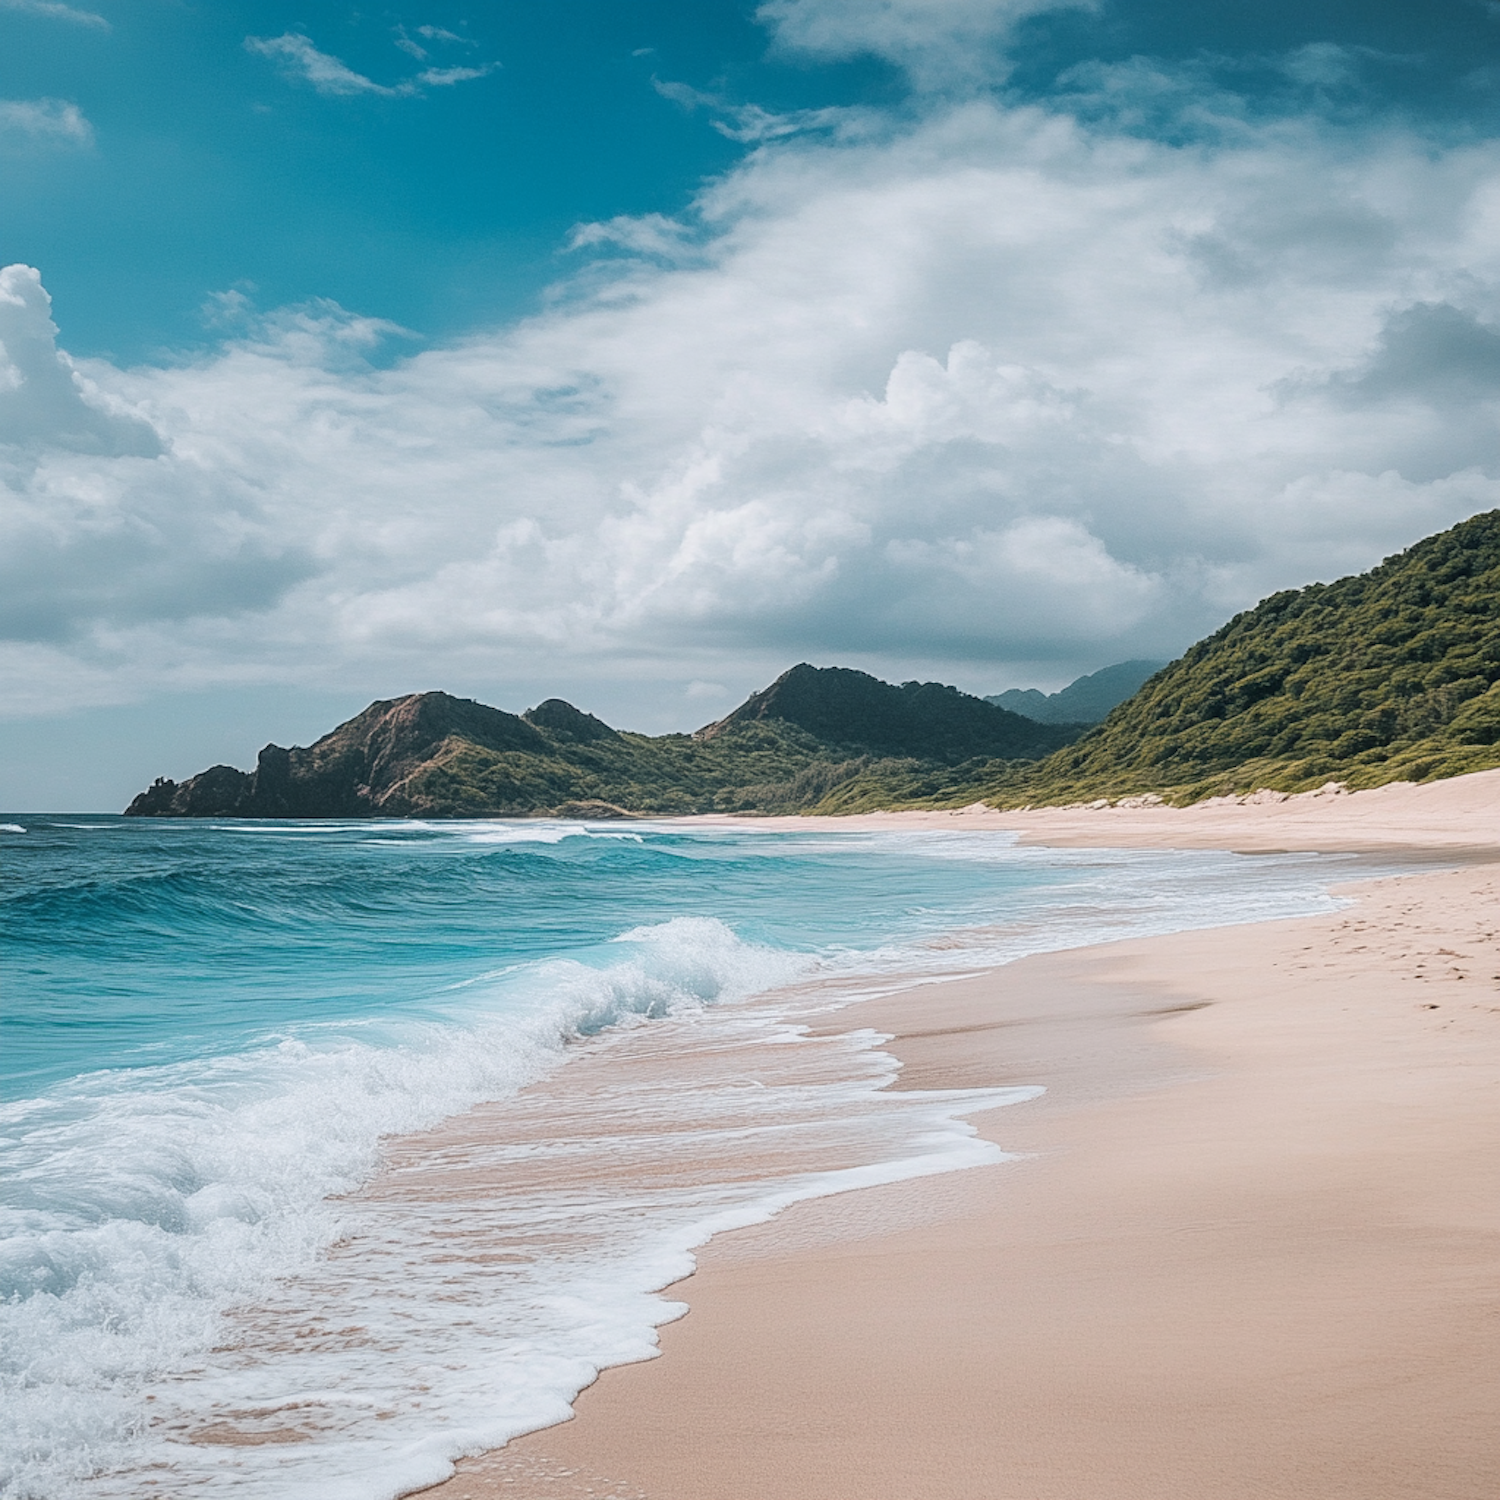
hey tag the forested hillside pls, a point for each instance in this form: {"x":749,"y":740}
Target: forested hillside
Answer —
{"x":787,"y":749}
{"x":1389,"y":675}
{"x":1386,"y":676}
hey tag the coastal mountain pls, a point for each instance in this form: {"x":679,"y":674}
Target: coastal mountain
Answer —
{"x":925,"y":720}
{"x":1389,"y":675}
{"x":1385,"y":676}
{"x":1086,"y":700}
{"x":364,"y":768}
{"x":786,"y":749}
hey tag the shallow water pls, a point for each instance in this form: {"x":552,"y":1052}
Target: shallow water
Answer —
{"x":253,"y":1241}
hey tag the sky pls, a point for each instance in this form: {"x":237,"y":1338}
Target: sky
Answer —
{"x":631,"y":351}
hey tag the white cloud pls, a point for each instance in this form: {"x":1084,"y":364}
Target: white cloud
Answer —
{"x":322,"y":70}
{"x":46,"y":403}
{"x":749,"y":123}
{"x":937,"y":42}
{"x":446,"y":77}
{"x":996,"y":387}
{"x":101,"y":524}
{"x":408,"y":46}
{"x":328,"y":75}
{"x":655,"y":235}
{"x":56,"y":11}
{"x":53,"y":121}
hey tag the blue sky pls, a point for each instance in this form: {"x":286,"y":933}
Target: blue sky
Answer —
{"x":214,"y":166}
{"x":211,"y":168}
{"x":633,"y":351}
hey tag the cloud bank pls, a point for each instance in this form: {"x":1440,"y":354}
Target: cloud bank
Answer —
{"x":999,"y":386}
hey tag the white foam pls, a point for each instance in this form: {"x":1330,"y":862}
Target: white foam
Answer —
{"x":495,"y":1276}
{"x":155,"y":1201}
{"x":145,"y":1201}
{"x":544,"y":831}
{"x":474,"y":831}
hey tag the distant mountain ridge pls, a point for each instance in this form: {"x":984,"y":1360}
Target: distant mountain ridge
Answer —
{"x":1086,"y":700}
{"x":1386,"y":675}
{"x":786,"y":748}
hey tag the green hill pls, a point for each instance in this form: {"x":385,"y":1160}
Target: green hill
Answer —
{"x":1390,"y":675}
{"x":926,"y":720}
{"x":787,"y":749}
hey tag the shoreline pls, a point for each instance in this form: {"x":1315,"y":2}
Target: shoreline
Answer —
{"x":1457,"y":814}
{"x":1247,"y":1252}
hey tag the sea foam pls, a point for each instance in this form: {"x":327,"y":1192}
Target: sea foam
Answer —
{"x":144,"y":1202}
{"x":284,"y":1260}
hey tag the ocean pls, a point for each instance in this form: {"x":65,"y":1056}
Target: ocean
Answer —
{"x":332,"y":1151}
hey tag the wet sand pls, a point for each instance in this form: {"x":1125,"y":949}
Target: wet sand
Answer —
{"x":1250,"y":1251}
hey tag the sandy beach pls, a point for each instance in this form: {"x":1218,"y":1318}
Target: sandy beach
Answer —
{"x":1462,"y":813}
{"x":1248,"y":1249}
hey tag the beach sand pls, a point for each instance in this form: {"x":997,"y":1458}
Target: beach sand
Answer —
{"x":1462,"y":813}
{"x":1252,"y":1248}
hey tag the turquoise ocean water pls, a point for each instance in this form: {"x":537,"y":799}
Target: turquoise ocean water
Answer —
{"x":211,"y":1032}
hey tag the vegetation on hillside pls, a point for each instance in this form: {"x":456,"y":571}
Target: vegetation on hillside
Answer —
{"x":923,"y":720}
{"x":435,"y":756}
{"x":755,"y":768}
{"x":1390,"y":675}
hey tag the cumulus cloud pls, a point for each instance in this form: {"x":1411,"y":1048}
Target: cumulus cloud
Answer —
{"x":46,"y":403}
{"x":99,"y":523}
{"x":996,"y":387}
{"x":44,"y":121}
{"x":1432,"y":352}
